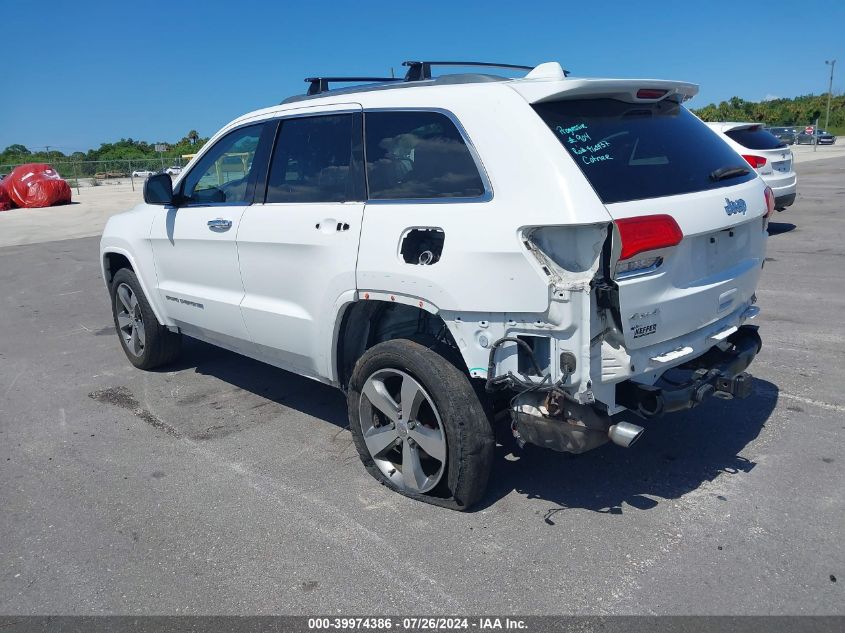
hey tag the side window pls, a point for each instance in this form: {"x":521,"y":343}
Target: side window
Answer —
{"x":224,"y":173}
{"x":413,"y":155}
{"x":314,"y":160}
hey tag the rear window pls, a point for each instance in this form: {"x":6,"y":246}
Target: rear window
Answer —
{"x":756,"y":138}
{"x":635,"y":151}
{"x":418,"y":155}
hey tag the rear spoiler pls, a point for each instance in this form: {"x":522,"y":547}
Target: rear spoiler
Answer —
{"x":630,"y":90}
{"x":732,"y":127}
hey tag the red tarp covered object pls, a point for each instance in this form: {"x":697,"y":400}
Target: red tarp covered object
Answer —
{"x":5,"y":201}
{"x":36,"y":185}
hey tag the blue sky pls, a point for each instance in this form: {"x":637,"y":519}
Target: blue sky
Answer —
{"x":79,"y":73}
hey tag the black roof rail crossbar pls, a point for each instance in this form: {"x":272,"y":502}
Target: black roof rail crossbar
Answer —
{"x":420,"y":71}
{"x":321,"y":84}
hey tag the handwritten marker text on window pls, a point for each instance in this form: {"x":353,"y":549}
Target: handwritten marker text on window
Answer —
{"x":577,"y":145}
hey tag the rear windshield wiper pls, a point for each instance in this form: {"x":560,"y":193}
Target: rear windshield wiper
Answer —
{"x":728,"y":172}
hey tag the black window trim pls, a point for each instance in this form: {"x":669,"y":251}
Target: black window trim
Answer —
{"x":357,"y":130}
{"x":256,"y":182}
{"x":487,"y":196}
{"x":274,"y":124}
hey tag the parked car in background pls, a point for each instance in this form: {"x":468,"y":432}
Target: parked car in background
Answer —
{"x":823,"y":138}
{"x":173,"y":170}
{"x":142,"y":173}
{"x":768,"y":155}
{"x":785,"y":134}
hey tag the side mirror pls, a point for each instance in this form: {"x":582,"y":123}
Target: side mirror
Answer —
{"x":158,"y":189}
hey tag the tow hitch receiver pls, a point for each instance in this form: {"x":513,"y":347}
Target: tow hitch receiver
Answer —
{"x":736,"y":387}
{"x":718,"y":372}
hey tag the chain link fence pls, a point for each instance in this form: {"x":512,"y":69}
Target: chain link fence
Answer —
{"x":95,"y":173}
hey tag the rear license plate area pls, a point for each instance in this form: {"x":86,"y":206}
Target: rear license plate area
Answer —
{"x":724,"y":249}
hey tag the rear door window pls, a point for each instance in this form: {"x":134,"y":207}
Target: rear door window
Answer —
{"x":632,"y":151}
{"x":756,"y":138}
{"x":418,"y":155}
{"x":315,"y":160}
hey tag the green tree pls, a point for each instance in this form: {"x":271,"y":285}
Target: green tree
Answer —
{"x":798,"y":111}
{"x":17,"y":149}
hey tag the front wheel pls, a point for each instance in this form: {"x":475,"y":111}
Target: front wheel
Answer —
{"x":145,"y":341}
{"x":418,"y":424}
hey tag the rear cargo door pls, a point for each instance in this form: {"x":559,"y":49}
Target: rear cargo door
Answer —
{"x":648,"y":159}
{"x":709,"y":275}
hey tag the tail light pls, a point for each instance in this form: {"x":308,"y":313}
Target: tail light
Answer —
{"x":640,"y":235}
{"x":755,"y":161}
{"x":770,"y":206}
{"x":770,"y":201}
{"x":647,"y":233}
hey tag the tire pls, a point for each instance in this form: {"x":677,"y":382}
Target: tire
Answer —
{"x":446,"y":420}
{"x":146,"y":342}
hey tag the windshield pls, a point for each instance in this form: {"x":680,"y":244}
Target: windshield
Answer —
{"x":635,"y":151}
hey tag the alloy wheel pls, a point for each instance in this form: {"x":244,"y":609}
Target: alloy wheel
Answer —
{"x":402,"y":430}
{"x":130,"y":320}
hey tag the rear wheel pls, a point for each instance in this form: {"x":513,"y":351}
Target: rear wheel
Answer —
{"x":146,"y":342}
{"x":418,"y":424}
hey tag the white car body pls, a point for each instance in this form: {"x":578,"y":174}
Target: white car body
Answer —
{"x":142,"y":173}
{"x":523,"y":259}
{"x":779,"y":169}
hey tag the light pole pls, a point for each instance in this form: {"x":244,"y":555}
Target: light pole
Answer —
{"x":832,"y":63}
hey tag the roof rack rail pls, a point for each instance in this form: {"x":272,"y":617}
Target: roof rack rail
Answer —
{"x":321,"y":84}
{"x":421,"y":70}
{"x":417,"y":71}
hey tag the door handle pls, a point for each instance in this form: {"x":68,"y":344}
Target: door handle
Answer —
{"x":220,"y":224}
{"x":330,"y":225}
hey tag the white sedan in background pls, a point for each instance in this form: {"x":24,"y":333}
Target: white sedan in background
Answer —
{"x":142,"y":173}
{"x":768,"y":155}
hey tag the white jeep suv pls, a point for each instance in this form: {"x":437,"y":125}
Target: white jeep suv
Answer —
{"x":573,"y":253}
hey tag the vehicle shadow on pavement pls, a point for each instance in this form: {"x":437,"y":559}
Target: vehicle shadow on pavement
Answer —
{"x":675,"y":455}
{"x":776,"y":228}
{"x":265,"y":381}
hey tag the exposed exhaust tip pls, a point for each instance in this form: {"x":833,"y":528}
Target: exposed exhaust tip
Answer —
{"x":624,"y":433}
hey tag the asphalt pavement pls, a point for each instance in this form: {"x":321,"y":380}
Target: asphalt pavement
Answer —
{"x":225,"y":486}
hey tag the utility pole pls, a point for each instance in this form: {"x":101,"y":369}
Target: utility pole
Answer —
{"x":831,"y":63}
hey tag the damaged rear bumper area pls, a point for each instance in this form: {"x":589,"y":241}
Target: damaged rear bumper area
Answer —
{"x":719,"y":373}
{"x":552,"y":420}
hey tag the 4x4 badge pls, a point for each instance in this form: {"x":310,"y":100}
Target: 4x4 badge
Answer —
{"x":735,"y":206}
